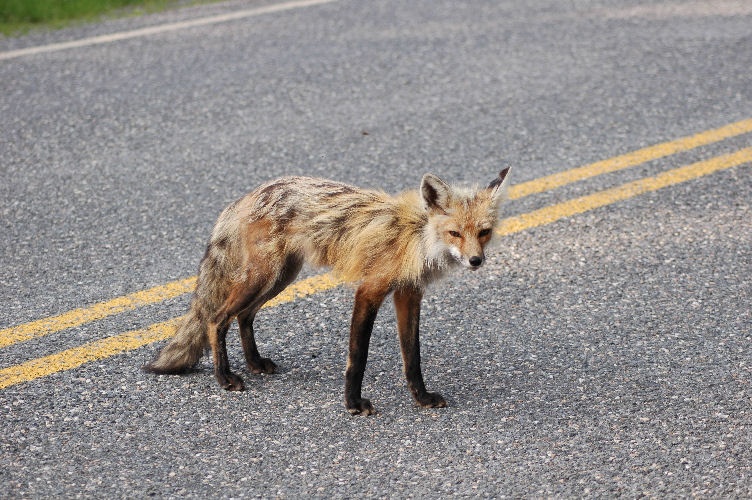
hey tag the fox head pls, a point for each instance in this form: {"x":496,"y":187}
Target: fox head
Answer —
{"x":460,"y":221}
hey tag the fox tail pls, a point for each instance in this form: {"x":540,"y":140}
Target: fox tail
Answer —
{"x":186,"y":347}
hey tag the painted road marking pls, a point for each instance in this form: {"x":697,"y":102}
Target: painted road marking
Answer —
{"x":162,"y":28}
{"x":627,"y":160}
{"x":589,"y":202}
{"x":92,"y":351}
{"x":118,"y":344}
{"x":128,"y":341}
{"x":78,"y":317}
{"x":101,"y":310}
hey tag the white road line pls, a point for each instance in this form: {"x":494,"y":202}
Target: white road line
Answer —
{"x":153,"y":30}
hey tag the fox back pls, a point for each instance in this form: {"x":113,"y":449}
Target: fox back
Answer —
{"x":361,"y":234}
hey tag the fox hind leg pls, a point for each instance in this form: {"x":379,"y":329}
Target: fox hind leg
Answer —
{"x":242,"y":297}
{"x":257,"y":364}
{"x":217,"y":333}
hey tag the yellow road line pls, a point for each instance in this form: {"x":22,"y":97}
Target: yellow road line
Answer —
{"x":586,"y":203}
{"x":77,"y":356}
{"x":78,"y":317}
{"x":128,"y":341}
{"x":632,"y":159}
{"x":304,"y":288}
{"x":111,"y":346}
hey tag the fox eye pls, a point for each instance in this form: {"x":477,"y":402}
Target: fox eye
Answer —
{"x":455,"y":234}
{"x":484,"y":232}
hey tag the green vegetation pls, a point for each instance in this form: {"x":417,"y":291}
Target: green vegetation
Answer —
{"x":18,"y":16}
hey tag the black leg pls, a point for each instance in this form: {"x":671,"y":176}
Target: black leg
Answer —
{"x":368,"y":299}
{"x":407,"y":304}
{"x":256,"y":364}
{"x":285,"y":276}
{"x":217,"y":338}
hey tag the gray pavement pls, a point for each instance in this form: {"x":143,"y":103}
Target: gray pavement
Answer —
{"x":604,"y":355}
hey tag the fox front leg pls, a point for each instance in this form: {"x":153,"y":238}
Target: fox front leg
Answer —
{"x":368,"y":299}
{"x":407,"y":305}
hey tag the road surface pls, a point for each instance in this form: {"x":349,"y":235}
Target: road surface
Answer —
{"x":604,"y":350}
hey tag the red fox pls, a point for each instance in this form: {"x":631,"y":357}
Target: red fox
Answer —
{"x":386,"y":244}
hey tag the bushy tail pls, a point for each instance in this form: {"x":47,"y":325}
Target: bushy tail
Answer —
{"x":212,"y":288}
{"x":186,"y":347}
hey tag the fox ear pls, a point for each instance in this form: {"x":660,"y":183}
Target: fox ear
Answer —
{"x":436,"y":193}
{"x":498,"y":185}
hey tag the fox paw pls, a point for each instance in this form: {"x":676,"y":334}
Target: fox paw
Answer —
{"x":263,"y":365}
{"x":360,"y":406}
{"x":431,"y":400}
{"x":230,"y":382}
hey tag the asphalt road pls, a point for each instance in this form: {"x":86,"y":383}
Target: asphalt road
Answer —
{"x":606,"y":353}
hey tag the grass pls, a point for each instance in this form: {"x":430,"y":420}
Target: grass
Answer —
{"x":20,"y":16}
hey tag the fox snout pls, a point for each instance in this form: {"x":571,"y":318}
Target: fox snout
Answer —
{"x":473,"y":262}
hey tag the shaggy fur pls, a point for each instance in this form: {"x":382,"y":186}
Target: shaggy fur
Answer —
{"x":385,"y":243}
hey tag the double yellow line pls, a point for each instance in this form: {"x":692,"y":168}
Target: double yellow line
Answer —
{"x":110,"y":346}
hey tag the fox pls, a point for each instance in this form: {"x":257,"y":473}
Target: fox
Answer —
{"x":381,"y":243}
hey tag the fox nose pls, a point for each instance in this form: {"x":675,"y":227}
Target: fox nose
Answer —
{"x":475,"y":261}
